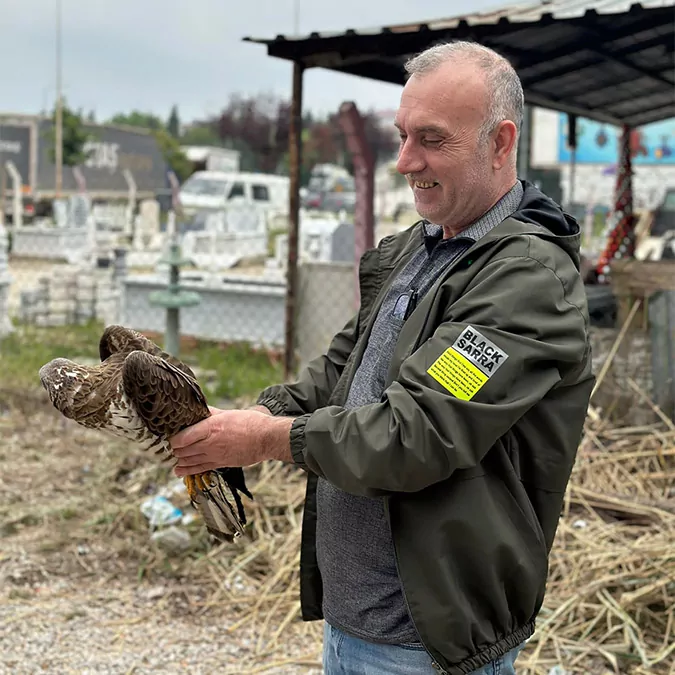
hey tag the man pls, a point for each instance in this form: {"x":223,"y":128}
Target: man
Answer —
{"x":440,"y":428}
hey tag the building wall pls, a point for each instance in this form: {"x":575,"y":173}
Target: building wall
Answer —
{"x":594,"y":181}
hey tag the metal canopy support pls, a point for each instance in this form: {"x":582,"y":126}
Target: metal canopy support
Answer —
{"x":572,"y":143}
{"x":353,"y":127}
{"x":295,"y":162}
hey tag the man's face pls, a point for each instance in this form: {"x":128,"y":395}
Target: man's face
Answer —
{"x":448,"y":168}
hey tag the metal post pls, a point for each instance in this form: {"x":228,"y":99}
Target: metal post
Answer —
{"x":172,"y":335}
{"x":58,"y":135}
{"x":295,"y":161}
{"x":572,"y":142}
{"x":353,"y":127}
{"x":174,"y":297}
{"x":524,"y":144}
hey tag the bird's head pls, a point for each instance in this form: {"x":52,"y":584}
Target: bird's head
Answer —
{"x":62,"y":379}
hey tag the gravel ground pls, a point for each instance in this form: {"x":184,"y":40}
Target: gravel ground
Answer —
{"x":83,"y":589}
{"x":61,"y":627}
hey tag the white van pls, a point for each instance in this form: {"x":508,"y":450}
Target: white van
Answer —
{"x":212,"y":190}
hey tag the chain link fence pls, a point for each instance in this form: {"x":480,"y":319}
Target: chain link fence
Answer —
{"x":76,"y":274}
{"x":63,"y":280}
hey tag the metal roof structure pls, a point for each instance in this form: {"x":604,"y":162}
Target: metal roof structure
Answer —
{"x":608,"y":60}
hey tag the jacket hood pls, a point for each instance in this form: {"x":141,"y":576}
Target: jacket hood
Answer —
{"x":538,"y":209}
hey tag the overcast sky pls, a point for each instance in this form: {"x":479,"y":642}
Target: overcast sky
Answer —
{"x":120,"y":55}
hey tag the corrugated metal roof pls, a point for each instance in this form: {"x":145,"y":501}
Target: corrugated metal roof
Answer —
{"x":529,"y":12}
{"x":609,"y":60}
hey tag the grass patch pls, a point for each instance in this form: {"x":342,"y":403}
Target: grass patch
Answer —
{"x":239,"y":370}
{"x":28,"y":348}
{"x":226,"y":371}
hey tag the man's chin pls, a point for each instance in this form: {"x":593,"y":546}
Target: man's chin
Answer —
{"x":426,"y":211}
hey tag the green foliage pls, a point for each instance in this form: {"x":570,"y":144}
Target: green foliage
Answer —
{"x":74,"y":137}
{"x":138,"y":119}
{"x":201,"y":134}
{"x":173,"y":155}
{"x":229,"y":371}
{"x":26,"y":350}
{"x":238,"y":369}
{"x":173,"y":123}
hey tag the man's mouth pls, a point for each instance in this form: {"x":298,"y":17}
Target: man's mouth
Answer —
{"x":424,"y":185}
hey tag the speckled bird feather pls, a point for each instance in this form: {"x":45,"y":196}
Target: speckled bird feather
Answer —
{"x":142,"y":394}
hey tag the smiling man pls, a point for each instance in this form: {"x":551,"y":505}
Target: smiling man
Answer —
{"x":440,"y":428}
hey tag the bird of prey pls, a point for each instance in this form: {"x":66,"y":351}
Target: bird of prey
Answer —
{"x":141,"y":393}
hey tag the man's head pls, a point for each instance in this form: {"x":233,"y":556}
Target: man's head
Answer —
{"x":459,"y":119}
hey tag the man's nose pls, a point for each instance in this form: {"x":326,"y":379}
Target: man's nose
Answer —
{"x":410,"y":159}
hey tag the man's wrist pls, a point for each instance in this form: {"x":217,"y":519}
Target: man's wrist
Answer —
{"x":277,"y":439}
{"x":261,"y":408}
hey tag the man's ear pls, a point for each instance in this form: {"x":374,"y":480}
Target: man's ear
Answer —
{"x":503,"y":139}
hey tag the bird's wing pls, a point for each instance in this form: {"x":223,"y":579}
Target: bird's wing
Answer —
{"x":116,"y":338}
{"x":169,"y":400}
{"x":166,"y":398}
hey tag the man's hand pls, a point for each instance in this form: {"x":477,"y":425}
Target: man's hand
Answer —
{"x":231,"y":438}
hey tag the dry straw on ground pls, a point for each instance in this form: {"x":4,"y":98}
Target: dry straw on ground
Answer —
{"x":70,"y":519}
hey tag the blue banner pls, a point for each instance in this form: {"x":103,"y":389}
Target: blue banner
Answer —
{"x":598,"y":143}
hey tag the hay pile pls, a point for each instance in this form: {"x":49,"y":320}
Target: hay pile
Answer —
{"x":610,"y":603}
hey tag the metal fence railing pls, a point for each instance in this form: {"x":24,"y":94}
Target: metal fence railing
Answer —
{"x":662,"y":336}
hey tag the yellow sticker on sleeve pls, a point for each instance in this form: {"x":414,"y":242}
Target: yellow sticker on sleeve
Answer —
{"x":467,"y":365}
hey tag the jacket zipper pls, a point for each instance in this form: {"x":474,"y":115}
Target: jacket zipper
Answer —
{"x":437,"y":666}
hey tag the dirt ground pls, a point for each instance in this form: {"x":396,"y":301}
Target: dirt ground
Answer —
{"x":84,"y":589}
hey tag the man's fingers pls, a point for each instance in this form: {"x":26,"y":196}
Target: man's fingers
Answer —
{"x":188,"y":451}
{"x":182,"y":471}
{"x":193,"y":460}
{"x":193,"y":434}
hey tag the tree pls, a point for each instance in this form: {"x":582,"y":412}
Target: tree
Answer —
{"x":173,"y":123}
{"x":173,"y":155}
{"x":201,"y":134}
{"x":138,"y":119}
{"x":74,"y":137}
{"x":257,"y":126}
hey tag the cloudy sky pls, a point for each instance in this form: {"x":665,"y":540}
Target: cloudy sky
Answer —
{"x":120,"y":55}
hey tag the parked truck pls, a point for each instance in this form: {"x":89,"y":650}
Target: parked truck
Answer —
{"x":114,"y":154}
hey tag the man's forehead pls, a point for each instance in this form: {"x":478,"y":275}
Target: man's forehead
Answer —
{"x":407,"y":120}
{"x":434,"y":102}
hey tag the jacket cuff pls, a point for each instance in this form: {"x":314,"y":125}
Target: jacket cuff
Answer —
{"x":298,"y":441}
{"x":275,"y":406}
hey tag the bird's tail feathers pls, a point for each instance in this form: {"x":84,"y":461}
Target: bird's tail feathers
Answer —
{"x":220,"y":517}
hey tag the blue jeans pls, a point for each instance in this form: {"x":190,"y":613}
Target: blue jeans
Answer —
{"x":346,"y":655}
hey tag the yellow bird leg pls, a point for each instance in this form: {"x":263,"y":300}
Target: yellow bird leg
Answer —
{"x":199,"y":482}
{"x":190,"y":486}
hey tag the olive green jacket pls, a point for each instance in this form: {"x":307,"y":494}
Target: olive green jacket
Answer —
{"x":474,"y":438}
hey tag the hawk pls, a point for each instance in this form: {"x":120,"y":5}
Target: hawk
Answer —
{"x":141,"y":393}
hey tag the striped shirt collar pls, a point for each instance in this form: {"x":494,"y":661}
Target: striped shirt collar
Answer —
{"x":505,"y":207}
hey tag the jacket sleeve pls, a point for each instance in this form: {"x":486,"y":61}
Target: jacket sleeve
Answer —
{"x":317,"y":380}
{"x":510,"y":338}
